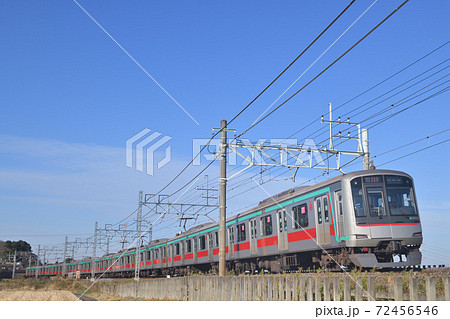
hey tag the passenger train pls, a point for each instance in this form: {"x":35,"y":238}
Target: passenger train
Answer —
{"x":362,"y":219}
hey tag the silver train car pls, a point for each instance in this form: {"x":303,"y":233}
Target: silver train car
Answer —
{"x":362,"y":219}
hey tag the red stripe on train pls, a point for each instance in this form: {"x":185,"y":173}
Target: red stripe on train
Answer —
{"x":177,"y":258}
{"x":302,"y":235}
{"x":189,"y":256}
{"x":242,"y":246}
{"x":404,"y":224}
{"x":202,"y":253}
{"x":269,"y":241}
{"x":216,"y":251}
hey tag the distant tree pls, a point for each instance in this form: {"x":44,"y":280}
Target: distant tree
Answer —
{"x":21,"y":246}
{"x":11,"y":246}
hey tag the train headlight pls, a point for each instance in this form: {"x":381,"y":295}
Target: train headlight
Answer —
{"x":418,"y":234}
{"x":361,"y":237}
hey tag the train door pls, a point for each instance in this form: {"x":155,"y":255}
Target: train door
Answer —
{"x":323,"y":220}
{"x":171,"y":254}
{"x":195,"y":248}
{"x":282,"y":230}
{"x":377,"y":213}
{"x":231,"y":241}
{"x":339,"y":212}
{"x":210,"y":244}
{"x":253,"y":237}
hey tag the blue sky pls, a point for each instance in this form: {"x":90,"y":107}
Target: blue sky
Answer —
{"x":71,"y":98}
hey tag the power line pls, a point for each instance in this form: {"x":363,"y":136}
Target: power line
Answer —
{"x":248,"y":105}
{"x":411,"y":143}
{"x":384,"y":119}
{"x":322,"y":130}
{"x":393,"y":75}
{"x":415,"y":152}
{"x":315,"y":61}
{"x":324,"y":70}
{"x":374,"y":86}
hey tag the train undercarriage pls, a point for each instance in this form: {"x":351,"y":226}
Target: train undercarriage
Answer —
{"x":385,"y":255}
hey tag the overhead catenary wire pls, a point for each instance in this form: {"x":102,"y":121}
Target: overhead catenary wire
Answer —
{"x":289,"y":98}
{"x":252,"y":101}
{"x":323,"y":130}
{"x":277,"y":78}
{"x":242,"y":183}
{"x":350,"y":49}
{"x":393,"y":75}
{"x":324,"y":70}
{"x":368,"y":90}
{"x":316,"y":60}
{"x":415,"y":152}
{"x":397,"y":104}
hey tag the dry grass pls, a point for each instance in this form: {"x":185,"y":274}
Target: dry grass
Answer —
{"x":33,"y":284}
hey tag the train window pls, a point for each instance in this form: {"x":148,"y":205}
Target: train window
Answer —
{"x":216,"y":239}
{"x":195,"y":245}
{"x":241,"y":232}
{"x":400,"y":196}
{"x":253,"y":228}
{"x":202,"y":242}
{"x":285,"y":220}
{"x":375,"y":201}
{"x":325,"y":210}
{"x":340,"y":203}
{"x":357,"y":195}
{"x":319,"y":211}
{"x":177,"y":249}
{"x":300,"y":214}
{"x":188,"y":246}
{"x":231,"y":235}
{"x":266,"y":226}
{"x":210,"y":240}
{"x":280,"y":221}
{"x":156,"y":253}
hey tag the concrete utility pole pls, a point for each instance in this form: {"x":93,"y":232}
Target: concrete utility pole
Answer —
{"x":150,"y":234}
{"x":37,"y":260}
{"x":65,"y":257}
{"x":137,"y":259}
{"x":94,"y":251}
{"x":14,"y":265}
{"x":365,"y":145}
{"x":107,"y":245}
{"x":222,"y":198}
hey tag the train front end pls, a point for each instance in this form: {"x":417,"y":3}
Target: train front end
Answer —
{"x":384,"y":227}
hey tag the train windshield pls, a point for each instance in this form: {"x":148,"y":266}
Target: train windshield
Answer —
{"x":400,"y":196}
{"x":357,"y":194}
{"x":381,"y":195}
